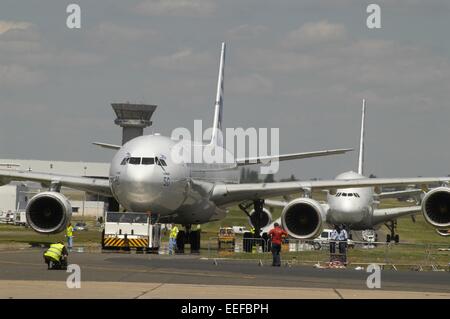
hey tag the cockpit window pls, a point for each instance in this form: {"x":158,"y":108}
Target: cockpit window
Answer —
{"x":356,"y":194}
{"x":344,"y":194}
{"x":349,"y":194}
{"x":148,"y":161}
{"x":135,"y":160}
{"x":143,"y":161}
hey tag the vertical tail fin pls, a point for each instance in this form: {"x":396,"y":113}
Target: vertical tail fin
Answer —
{"x":217,"y":137}
{"x":361,"y":141}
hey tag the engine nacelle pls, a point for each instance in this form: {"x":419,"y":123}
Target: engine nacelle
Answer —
{"x":303,"y":218}
{"x":436,"y":207}
{"x":443,"y":232}
{"x":266,"y":218}
{"x":48,"y":212}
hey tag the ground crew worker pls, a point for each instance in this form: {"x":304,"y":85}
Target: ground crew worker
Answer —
{"x":57,"y":253}
{"x":276,"y":235}
{"x":342,"y":238}
{"x":333,"y":239}
{"x":173,"y":239}
{"x":250,"y":241}
{"x":69,"y":235}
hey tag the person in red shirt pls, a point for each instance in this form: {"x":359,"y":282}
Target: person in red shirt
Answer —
{"x":276,"y":236}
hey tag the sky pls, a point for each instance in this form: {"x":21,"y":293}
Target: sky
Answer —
{"x":300,"y":66}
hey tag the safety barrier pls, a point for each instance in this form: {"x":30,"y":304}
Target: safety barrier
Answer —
{"x":246,"y":245}
{"x":413,"y":256}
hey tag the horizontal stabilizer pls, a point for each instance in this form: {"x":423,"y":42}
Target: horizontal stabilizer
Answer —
{"x":106,"y":145}
{"x":287,"y":157}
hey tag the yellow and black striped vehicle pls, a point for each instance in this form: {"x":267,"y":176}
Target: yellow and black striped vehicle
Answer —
{"x":126,"y":231}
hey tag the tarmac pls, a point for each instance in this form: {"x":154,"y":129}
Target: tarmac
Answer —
{"x":23,"y":274}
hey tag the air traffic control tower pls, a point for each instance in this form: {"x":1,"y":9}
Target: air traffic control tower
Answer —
{"x":133,"y":118}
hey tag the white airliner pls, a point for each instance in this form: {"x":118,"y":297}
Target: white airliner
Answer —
{"x":357,"y":208}
{"x":143,"y":177}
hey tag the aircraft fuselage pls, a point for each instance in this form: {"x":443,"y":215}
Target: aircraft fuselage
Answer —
{"x":351,"y":206}
{"x":145,"y":178}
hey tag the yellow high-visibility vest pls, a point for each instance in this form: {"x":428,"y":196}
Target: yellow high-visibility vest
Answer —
{"x":174,"y":232}
{"x":69,"y":231}
{"x":54,"y":252}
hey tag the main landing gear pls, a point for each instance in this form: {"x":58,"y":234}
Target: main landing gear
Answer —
{"x":188,"y":236}
{"x":254,"y":238}
{"x":392,"y":226}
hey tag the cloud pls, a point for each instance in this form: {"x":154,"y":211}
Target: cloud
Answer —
{"x":246,"y":31}
{"x":18,"y":75}
{"x":283,"y":61}
{"x":380,"y":63}
{"x":6,"y":26}
{"x":107,"y":31}
{"x":26,"y":58}
{"x":18,"y":37}
{"x":189,"y":8}
{"x":254,"y":83}
{"x":184,"y":59}
{"x":315,"y":33}
{"x":392,"y":74}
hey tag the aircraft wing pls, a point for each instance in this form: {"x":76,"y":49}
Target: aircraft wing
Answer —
{"x":228,"y":194}
{"x":98,"y":185}
{"x":287,"y":157}
{"x":379,"y":215}
{"x":275,"y":203}
{"x":107,"y":145}
{"x":397,"y":194}
{"x":386,"y":214}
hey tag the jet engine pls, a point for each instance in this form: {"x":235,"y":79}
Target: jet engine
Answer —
{"x":266,"y":218}
{"x":436,"y":207}
{"x":443,"y":232}
{"x":303,"y":218}
{"x":48,"y":212}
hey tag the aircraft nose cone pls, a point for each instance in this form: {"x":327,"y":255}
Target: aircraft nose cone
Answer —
{"x":139,"y":188}
{"x":150,"y":188}
{"x":137,"y":175}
